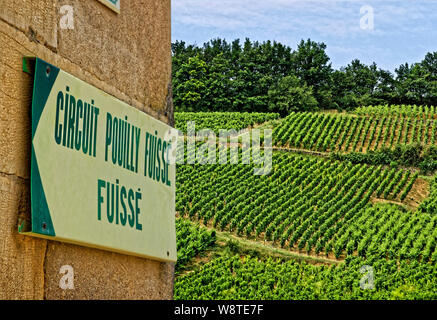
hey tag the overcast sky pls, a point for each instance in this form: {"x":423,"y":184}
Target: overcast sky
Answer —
{"x":403,"y":30}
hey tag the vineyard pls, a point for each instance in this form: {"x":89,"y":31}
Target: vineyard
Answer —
{"x":423,"y":112}
{"x":232,"y":277}
{"x":192,"y":240}
{"x":345,"y":132}
{"x":430,"y":204}
{"x":221,"y":120}
{"x":314,"y":207}
{"x":305,"y":204}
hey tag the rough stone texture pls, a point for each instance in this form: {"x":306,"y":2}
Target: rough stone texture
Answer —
{"x":21,"y":258}
{"x":126,"y":55}
{"x":130,"y":50}
{"x":114,"y":276}
{"x":15,"y":101}
{"x":36,"y":18}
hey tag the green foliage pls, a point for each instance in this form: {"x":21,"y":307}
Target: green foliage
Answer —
{"x":418,"y":82}
{"x":236,"y":78}
{"x":191,"y":87}
{"x":358,"y":84}
{"x":412,"y":155}
{"x":242,"y":278}
{"x":394,"y":164}
{"x":304,"y":204}
{"x":430,"y":204}
{"x":410,"y":111}
{"x":379,"y":135}
{"x":191,"y":240}
{"x":406,"y":155}
{"x":290,"y":95}
{"x":311,"y":65}
{"x":222,"y":76}
{"x":221,"y":120}
{"x":317,"y":206}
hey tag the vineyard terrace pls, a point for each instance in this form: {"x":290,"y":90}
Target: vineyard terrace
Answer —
{"x":202,"y":148}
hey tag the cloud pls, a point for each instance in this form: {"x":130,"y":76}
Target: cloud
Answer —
{"x":339,"y":18}
{"x":398,"y":23}
{"x":330,"y":17}
{"x":277,"y":15}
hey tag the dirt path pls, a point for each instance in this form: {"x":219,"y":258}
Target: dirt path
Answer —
{"x":418,"y":193}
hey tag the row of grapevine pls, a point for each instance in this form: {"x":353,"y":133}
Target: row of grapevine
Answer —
{"x":322,"y":207}
{"x":344,"y":132}
{"x":430,"y":204}
{"x":384,"y":231}
{"x":302,"y":204}
{"x":221,"y":120}
{"x":191,"y":240}
{"x":412,"y":111}
{"x":235,"y":278}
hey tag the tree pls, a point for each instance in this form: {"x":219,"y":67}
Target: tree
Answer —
{"x":181,"y":53}
{"x":412,"y":84}
{"x":219,"y":85}
{"x":234,"y":76}
{"x":430,"y":66}
{"x":190,"y":85}
{"x":311,"y":64}
{"x":358,"y":84}
{"x":385,"y":88}
{"x":291,"y":94}
{"x":364,"y":78}
{"x":344,"y":97}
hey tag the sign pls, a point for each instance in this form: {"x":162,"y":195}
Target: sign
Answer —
{"x":100,"y":169}
{"x":112,"y":4}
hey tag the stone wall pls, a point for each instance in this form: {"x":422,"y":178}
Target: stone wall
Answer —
{"x":127,"y":55}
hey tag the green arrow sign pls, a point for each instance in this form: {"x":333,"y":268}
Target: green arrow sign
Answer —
{"x":112,"y":4}
{"x":100,"y":174}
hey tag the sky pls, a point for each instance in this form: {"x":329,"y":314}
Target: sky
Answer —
{"x":388,"y":32}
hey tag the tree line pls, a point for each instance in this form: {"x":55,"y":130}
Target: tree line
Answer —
{"x":271,"y":77}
